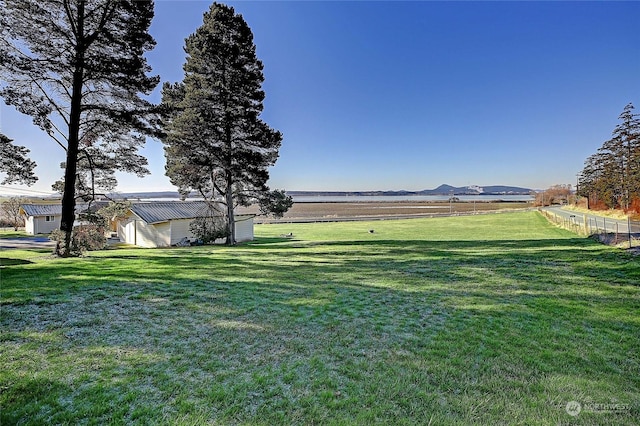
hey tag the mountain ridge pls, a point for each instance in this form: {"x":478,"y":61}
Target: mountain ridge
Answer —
{"x":443,"y":189}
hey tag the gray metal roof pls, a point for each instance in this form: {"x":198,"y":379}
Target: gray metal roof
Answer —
{"x":42,"y":209}
{"x":56,"y":209}
{"x":151,"y":212}
{"x":157,"y":212}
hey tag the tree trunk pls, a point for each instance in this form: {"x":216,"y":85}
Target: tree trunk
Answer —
{"x":69,"y":194}
{"x":231,"y":238}
{"x":231,"y":221}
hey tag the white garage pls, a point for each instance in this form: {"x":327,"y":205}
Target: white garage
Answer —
{"x":41,"y":218}
{"x":163,"y":224}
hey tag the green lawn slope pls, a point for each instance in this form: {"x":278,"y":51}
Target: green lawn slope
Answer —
{"x":493,"y":319}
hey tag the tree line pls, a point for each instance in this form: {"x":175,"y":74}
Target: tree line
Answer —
{"x":77,"y":68}
{"x":555,"y":194}
{"x":611,"y":177}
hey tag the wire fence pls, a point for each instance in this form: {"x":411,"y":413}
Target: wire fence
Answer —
{"x":610,"y":231}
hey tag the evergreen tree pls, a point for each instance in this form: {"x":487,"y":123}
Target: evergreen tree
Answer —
{"x":77,"y":68}
{"x":593,"y":183}
{"x":612,"y":175}
{"x":215,"y":141}
{"x":15,"y":163}
{"x":625,"y":148}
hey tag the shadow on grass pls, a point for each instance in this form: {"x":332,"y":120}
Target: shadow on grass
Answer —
{"x":277,"y":269}
{"x":399,"y":325}
{"x":413,"y":265}
{"x":267,"y":241}
{"x":7,"y":261}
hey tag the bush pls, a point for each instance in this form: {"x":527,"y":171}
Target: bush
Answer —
{"x":91,"y":235}
{"x":83,"y":238}
{"x":634,"y":209}
{"x":209,"y":229}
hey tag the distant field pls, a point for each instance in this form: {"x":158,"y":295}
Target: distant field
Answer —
{"x":372,"y":209}
{"x":488,"y":319}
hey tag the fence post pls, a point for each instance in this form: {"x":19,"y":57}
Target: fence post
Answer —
{"x":584,"y":221}
{"x":629,"y":229}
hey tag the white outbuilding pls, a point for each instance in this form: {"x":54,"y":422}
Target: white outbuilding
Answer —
{"x":41,"y":218}
{"x":163,"y":224}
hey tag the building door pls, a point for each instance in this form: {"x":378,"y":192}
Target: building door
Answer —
{"x":131,"y":232}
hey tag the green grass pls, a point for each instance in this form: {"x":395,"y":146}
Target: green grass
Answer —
{"x":499,"y":319}
{"x":10,"y":233}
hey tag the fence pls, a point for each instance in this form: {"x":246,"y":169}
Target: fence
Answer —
{"x":610,"y":231}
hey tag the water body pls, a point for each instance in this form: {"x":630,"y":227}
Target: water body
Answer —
{"x":391,"y":198}
{"x":380,"y":198}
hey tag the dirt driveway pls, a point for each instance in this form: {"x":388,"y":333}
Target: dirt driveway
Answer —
{"x":26,"y":243}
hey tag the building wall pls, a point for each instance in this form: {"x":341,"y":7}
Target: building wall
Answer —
{"x":127,"y":230}
{"x":152,"y":235}
{"x":244,"y":229}
{"x":29,"y":226}
{"x":162,"y":233}
{"x":180,"y":229}
{"x":38,"y":225}
{"x":135,"y":231}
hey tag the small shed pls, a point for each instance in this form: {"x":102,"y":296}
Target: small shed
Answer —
{"x":45,"y":218}
{"x":41,"y":218}
{"x":163,"y":224}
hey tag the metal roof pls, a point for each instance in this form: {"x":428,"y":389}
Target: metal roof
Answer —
{"x":56,"y":209}
{"x":157,"y":212}
{"x":151,"y":212}
{"x":42,"y":209}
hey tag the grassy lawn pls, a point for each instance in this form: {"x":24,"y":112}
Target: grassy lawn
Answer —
{"x":10,"y":233}
{"x":497,"y":319}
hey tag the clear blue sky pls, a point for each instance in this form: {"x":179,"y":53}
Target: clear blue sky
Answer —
{"x":408,"y":95}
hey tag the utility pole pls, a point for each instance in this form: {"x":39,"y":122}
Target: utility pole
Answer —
{"x":451,"y":202}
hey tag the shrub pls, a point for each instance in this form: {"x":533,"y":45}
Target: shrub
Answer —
{"x":209,"y":229}
{"x":634,"y":209}
{"x":83,"y":238}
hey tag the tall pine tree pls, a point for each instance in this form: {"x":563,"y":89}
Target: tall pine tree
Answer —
{"x":77,"y":68}
{"x":15,"y":163}
{"x":612,"y":175}
{"x":625,"y":147}
{"x":216,"y":142}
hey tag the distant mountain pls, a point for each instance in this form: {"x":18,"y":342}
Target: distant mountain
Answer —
{"x":145,"y":195}
{"x":501,"y":189}
{"x":443,"y":189}
{"x":474,"y":189}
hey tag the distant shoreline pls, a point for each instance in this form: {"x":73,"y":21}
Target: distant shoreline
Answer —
{"x":404,"y":201}
{"x":441,"y":191}
{"x":378,"y":210}
{"x":411,"y":198}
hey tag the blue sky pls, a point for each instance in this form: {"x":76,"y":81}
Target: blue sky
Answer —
{"x":408,"y":95}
